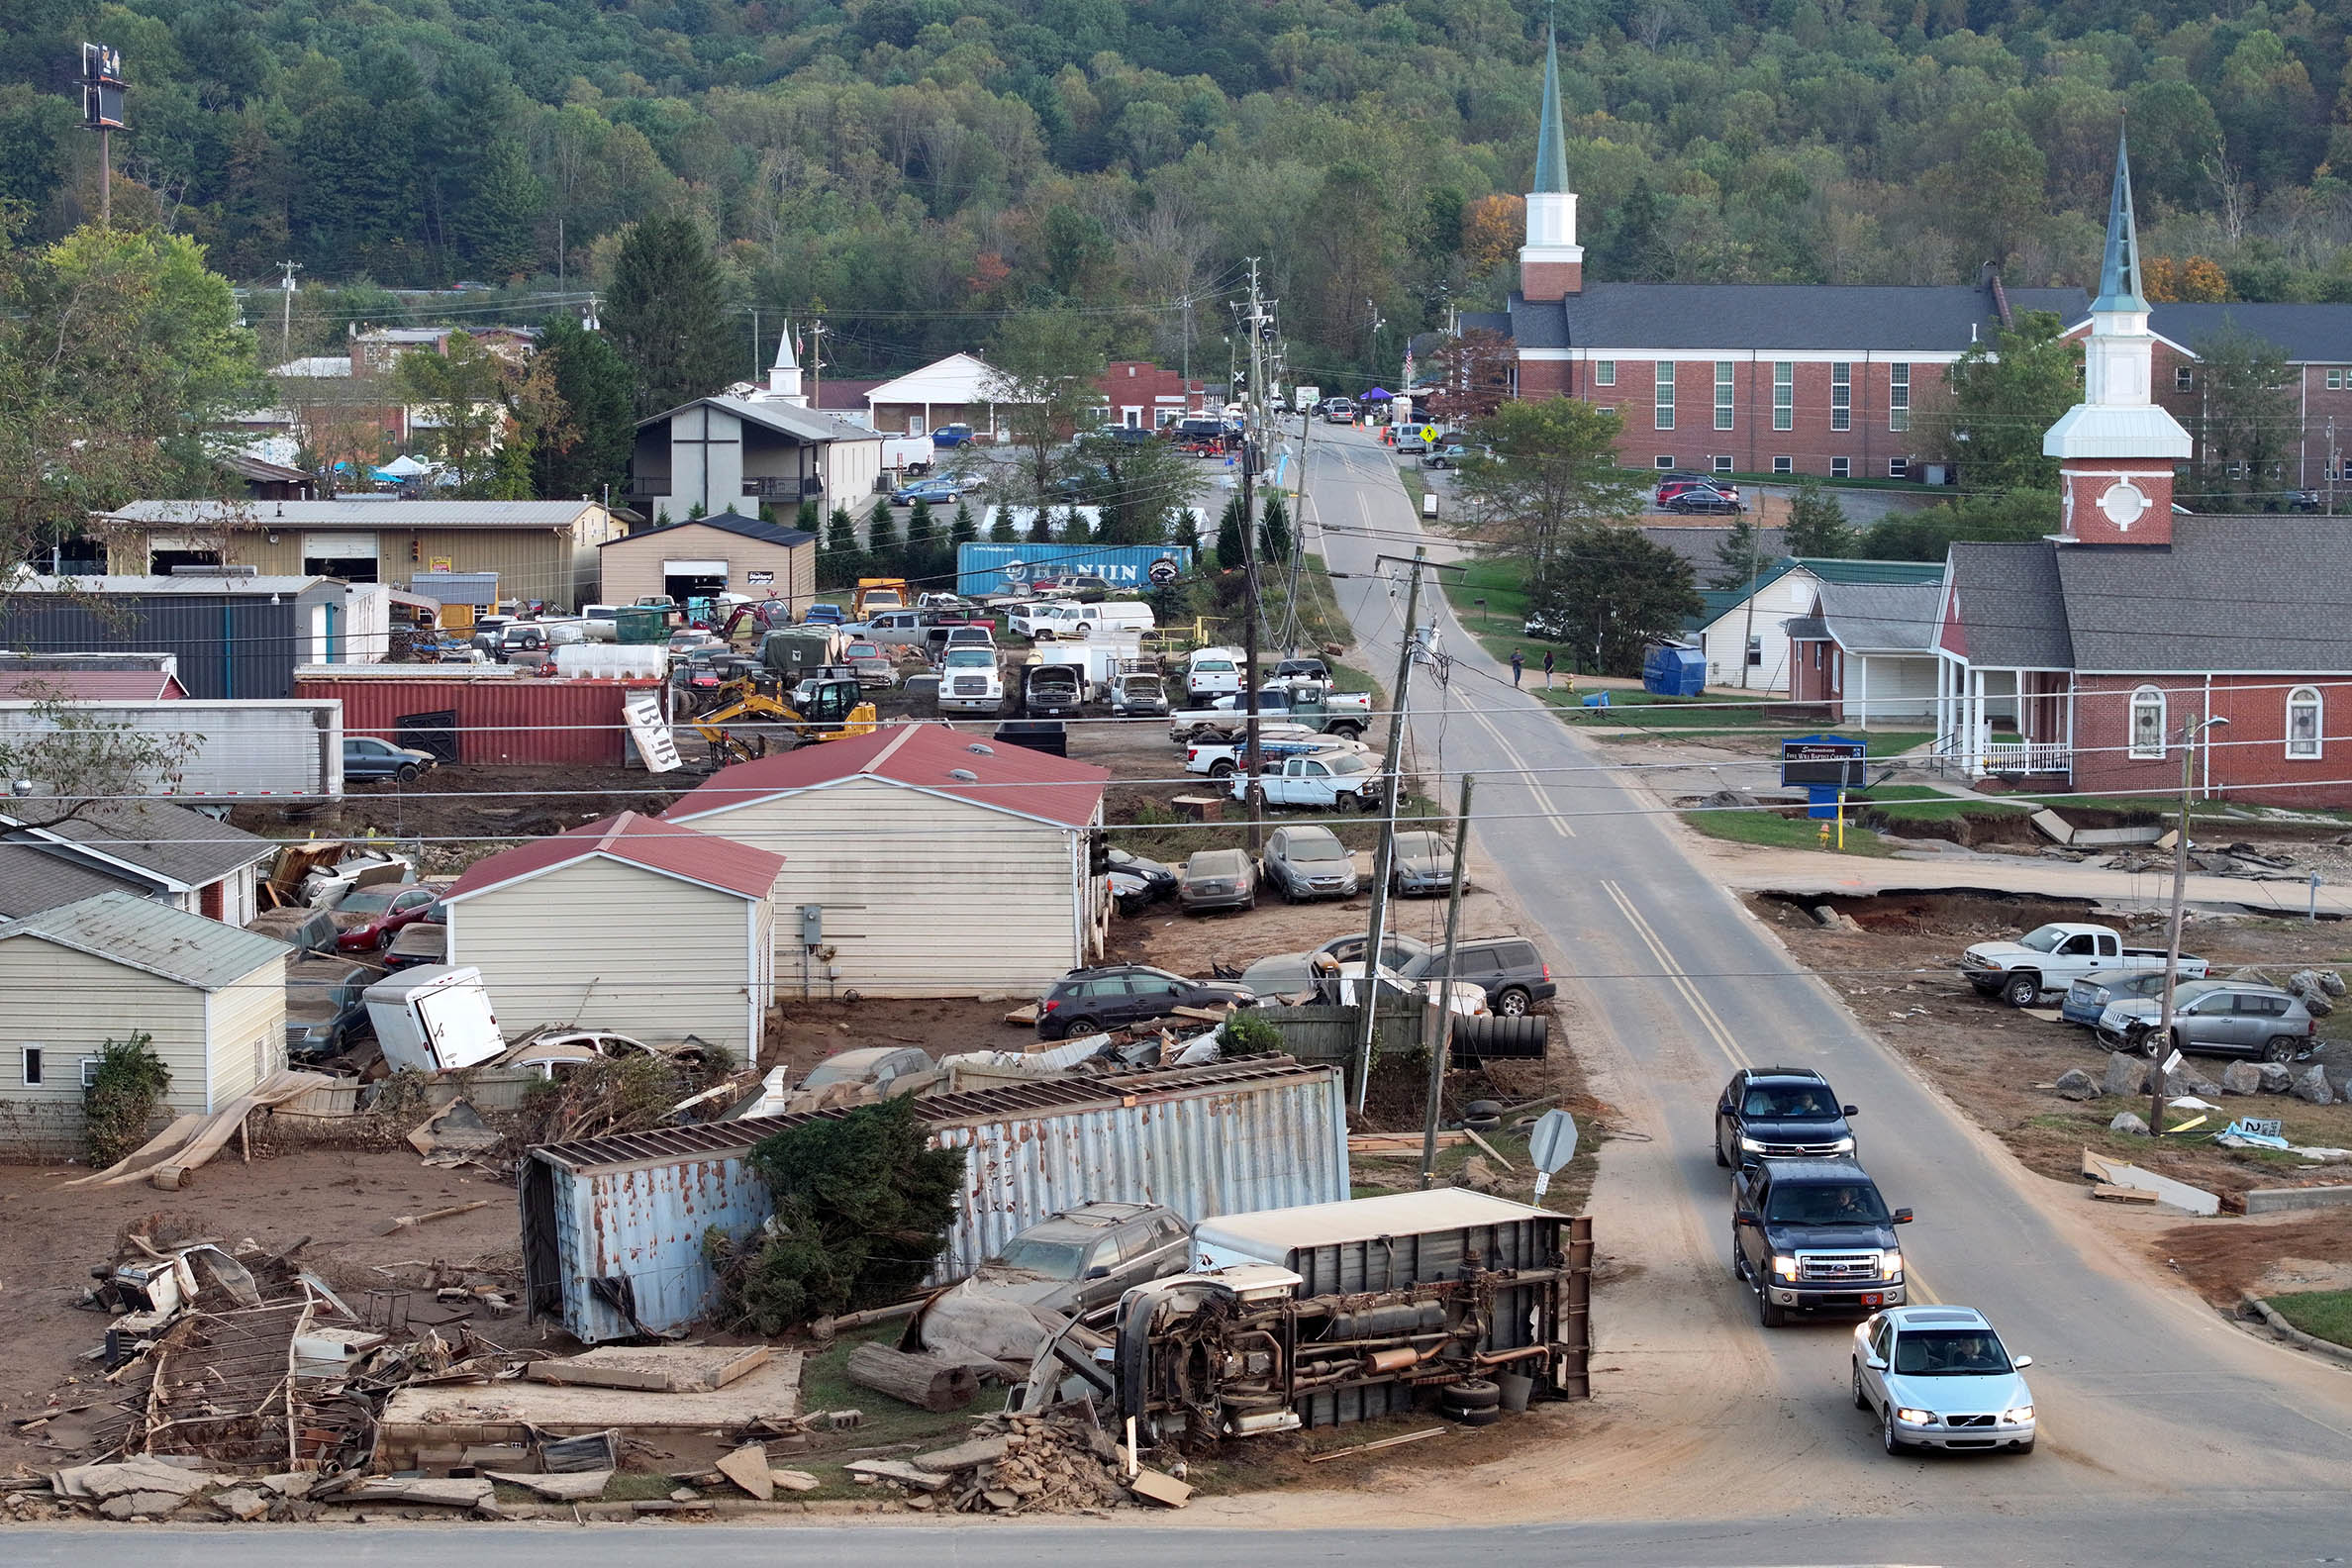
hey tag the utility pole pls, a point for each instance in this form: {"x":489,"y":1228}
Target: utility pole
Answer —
{"x":2331,"y":465}
{"x":1385,"y":855}
{"x":1443,"y":1048}
{"x":816,"y":361}
{"x":559,"y":256}
{"x":287,"y":312}
{"x":755,"y":366}
{"x":1747,"y":638}
{"x":2190,"y":734}
{"x":1255,"y":789}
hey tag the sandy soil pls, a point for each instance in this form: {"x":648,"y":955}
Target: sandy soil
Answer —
{"x":2226,"y":1258}
{"x":337,"y":1198}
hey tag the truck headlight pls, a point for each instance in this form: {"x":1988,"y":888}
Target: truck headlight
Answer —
{"x":1749,"y":1146}
{"x":1785,"y":1267}
{"x":2017,"y":1416}
{"x":1914,"y":1417}
{"x":1843,"y":1145}
{"x":1891,"y":1265}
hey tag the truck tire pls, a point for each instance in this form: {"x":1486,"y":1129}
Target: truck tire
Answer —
{"x":1501,"y":1038}
{"x":1347,"y":731}
{"x":1086,"y":628}
{"x":2022,"y":990}
{"x":1220,"y":770}
{"x":1768,"y":1313}
{"x":1472,"y":1393}
{"x":1470,"y":1418}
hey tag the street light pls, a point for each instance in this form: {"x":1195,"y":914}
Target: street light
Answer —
{"x":2172,"y":950}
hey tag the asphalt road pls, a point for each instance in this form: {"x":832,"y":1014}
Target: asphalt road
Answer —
{"x":2144,"y":1392}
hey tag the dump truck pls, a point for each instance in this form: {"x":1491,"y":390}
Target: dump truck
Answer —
{"x":877,"y":594}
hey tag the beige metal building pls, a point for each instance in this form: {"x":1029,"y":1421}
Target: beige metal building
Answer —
{"x":538,"y":550}
{"x":727,"y":553}
{"x":649,"y":927}
{"x":212,"y":998}
{"x":920,"y":861}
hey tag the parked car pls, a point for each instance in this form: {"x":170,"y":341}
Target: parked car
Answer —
{"x":1156,"y":878}
{"x":1939,"y":1377}
{"x":874,"y":668}
{"x":1077,"y":1264}
{"x":1815,"y":1235}
{"x":1512,"y":973}
{"x":1683,"y":481}
{"x":2053,"y":956}
{"x":1779,"y":1112}
{"x":368,"y":758}
{"x":1703,"y":499}
{"x":370,"y":917}
{"x":825,"y":615}
{"x":1454,"y":455}
{"x":1220,"y":757}
{"x":2225,"y":1018}
{"x":1210,"y":671}
{"x":1216,"y":879}
{"x":1292,"y":670}
{"x":938,"y":490}
{"x":970,"y":682}
{"x":2088,"y":997}
{"x":956,"y":434}
{"x":1301,"y":863}
{"x":1086,"y":1001}
{"x":1284,"y":974}
{"x":324,"y":1006}
{"x":1421,"y":862}
{"x":874,"y":1064}
{"x":1051,"y":691}
{"x":425,"y":942}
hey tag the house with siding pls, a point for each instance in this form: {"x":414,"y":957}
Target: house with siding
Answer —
{"x":1865,"y":652}
{"x":210,"y":997}
{"x":751,"y":446}
{"x":181,"y":858}
{"x":645,"y":927}
{"x":1753,"y":618}
{"x":726,"y":554}
{"x":920,"y":861}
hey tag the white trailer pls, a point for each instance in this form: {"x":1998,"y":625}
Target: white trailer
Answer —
{"x":232,"y":749}
{"x":434,"y":1019}
{"x":902,"y":452}
{"x":1100,"y":660}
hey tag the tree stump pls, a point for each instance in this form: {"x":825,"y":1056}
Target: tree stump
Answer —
{"x":934,"y":1385}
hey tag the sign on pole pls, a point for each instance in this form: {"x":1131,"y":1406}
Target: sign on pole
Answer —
{"x":1551,"y":1145}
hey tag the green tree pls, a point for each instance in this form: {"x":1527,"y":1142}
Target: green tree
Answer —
{"x":501,"y":218}
{"x":666,"y":315}
{"x":1554,"y":470}
{"x":1229,"y":536}
{"x":1040,"y":526}
{"x":1818,"y":528}
{"x":1075,"y":530}
{"x":2244,"y":421}
{"x":1613,"y":592}
{"x":962,"y":530}
{"x":1929,"y":534}
{"x":1998,"y":399}
{"x":840,"y":563}
{"x":1737,"y":555}
{"x":593,"y":382}
{"x":460,"y":390}
{"x":1993,"y":191}
{"x":1274,"y":531}
{"x":1138,"y":486}
{"x":1002,"y":530}
{"x":923,"y":542}
{"x":1048,"y":363}
{"x":125,"y":1087}
{"x":885,"y":556}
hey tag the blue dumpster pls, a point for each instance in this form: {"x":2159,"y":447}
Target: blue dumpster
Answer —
{"x":1671,"y":669}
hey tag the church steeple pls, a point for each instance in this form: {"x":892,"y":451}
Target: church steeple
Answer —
{"x":1551,"y":263}
{"x":784,"y":377}
{"x":2118,"y":447}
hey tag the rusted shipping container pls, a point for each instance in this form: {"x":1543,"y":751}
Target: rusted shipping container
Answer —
{"x":518,"y":721}
{"x":612,"y":1227}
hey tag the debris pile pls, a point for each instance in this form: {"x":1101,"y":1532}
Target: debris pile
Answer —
{"x":1043,"y":1462}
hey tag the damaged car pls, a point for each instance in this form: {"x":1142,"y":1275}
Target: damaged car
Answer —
{"x":1069,"y":1267}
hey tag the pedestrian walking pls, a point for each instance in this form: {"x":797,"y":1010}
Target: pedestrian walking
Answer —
{"x":1518,"y":664}
{"x":1547,"y":670}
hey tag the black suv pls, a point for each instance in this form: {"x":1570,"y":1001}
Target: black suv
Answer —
{"x":1815,"y":1235}
{"x":1514,"y":973}
{"x":1085,"y":1001}
{"x":1779,"y":1112}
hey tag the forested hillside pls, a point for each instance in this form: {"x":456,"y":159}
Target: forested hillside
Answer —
{"x":916,"y":164}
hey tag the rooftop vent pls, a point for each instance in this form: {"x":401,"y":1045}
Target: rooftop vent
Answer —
{"x":978,"y":749}
{"x":963,"y":775}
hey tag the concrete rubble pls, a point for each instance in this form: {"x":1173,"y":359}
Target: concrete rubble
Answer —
{"x":1042,"y":1462}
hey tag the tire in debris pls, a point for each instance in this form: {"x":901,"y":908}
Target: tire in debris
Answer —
{"x":1472,"y":1393}
{"x":1470,"y":1418}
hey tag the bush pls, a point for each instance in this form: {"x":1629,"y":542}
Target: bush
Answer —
{"x":626,"y":1094}
{"x":863,"y":1207}
{"x":1250,"y":1033}
{"x":131,"y":1080}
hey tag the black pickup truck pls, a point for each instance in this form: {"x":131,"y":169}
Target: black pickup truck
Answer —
{"x":1812,"y":1234}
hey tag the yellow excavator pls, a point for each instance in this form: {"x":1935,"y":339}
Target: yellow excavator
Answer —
{"x":831,"y":708}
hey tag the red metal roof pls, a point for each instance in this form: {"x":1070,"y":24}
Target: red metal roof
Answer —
{"x":669,"y":848}
{"x":114,"y":685}
{"x":1003,"y":777}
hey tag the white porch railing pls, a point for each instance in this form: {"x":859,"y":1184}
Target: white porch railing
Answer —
{"x":2028,"y":757}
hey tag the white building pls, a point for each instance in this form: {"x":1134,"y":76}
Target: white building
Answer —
{"x":752,"y":446}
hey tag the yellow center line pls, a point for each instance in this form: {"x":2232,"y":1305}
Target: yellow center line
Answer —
{"x":1708,"y":1020}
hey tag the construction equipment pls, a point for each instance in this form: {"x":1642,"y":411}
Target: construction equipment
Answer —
{"x":877,"y":594}
{"x":829,"y":708}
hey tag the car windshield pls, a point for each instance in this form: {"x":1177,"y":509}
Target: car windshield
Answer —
{"x":1789,"y":1102}
{"x":864,"y":650}
{"x":1824,"y":1203}
{"x":970,"y":658}
{"x":1215,"y":863}
{"x":1951,"y":1352}
{"x":1348,"y":762}
{"x":1322,"y":847}
{"x":369,"y":901}
{"x":2043,"y":938}
{"x":1037,"y":1255}
{"x":1420,"y":846}
{"x":1214,"y":666}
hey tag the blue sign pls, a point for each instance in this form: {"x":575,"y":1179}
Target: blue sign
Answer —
{"x":982,"y":568}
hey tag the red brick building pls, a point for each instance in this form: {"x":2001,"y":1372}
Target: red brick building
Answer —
{"x":2090,"y":658}
{"x":1142,"y":396}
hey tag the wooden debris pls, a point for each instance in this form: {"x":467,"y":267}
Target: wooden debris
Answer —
{"x":934,"y":1385}
{"x":1377,"y":1442}
{"x":747,"y":1467}
{"x":576,"y":1486}
{"x":793,"y":1481}
{"x":449,"y":1491}
{"x":897,"y":1470}
{"x":2127,"y":1195}
{"x":1489,"y":1148}
{"x":1023,"y":1017}
{"x":411,"y":1221}
{"x":656,"y":1369}
{"x":1166,"y":1490}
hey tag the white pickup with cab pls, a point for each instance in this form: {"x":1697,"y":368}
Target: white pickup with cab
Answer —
{"x":2054,"y":956}
{"x":1332,"y":781}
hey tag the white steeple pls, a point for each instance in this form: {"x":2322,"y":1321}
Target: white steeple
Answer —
{"x":1551,"y":263}
{"x":2119,"y":417}
{"x":784,"y":377}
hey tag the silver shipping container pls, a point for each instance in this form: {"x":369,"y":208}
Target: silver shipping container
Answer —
{"x":614,"y":1228}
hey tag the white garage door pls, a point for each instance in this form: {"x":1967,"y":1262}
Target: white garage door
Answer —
{"x":339,"y":547}
{"x":694,"y":568}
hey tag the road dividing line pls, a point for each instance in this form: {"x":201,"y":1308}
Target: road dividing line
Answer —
{"x":1708,"y":1020}
{"x":1528,"y":775}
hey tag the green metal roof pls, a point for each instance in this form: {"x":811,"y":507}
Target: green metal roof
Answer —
{"x":141,"y":934}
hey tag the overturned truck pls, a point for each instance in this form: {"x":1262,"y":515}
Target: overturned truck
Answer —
{"x":1338,"y":1313}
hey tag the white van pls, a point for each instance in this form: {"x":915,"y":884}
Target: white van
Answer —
{"x":1212,"y":672}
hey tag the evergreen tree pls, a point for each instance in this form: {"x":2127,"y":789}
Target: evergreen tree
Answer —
{"x":840,"y":563}
{"x":1737,"y":557}
{"x":963,"y":530}
{"x":667,"y":315}
{"x":1229,"y":536}
{"x":1002,"y":530}
{"x":1818,"y":528}
{"x":1075,"y":530}
{"x":593,"y":382}
{"x":501,"y":218}
{"x":885,"y":556}
{"x":1274,"y":531}
{"x":1040,"y":528}
{"x":808,"y":519}
{"x":1614,"y":592}
{"x":923,"y":541}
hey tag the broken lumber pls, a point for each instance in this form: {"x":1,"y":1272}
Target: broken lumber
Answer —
{"x":2127,"y":1195}
{"x":448,"y":1493}
{"x":897,"y":1470}
{"x":1166,"y":1490}
{"x":934,"y":1385}
{"x":1489,"y":1148}
{"x":411,"y":1221}
{"x":1023,"y":1017}
{"x":747,"y":1467}
{"x":1377,"y":1442}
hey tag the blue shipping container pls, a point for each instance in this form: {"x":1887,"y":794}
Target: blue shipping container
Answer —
{"x":1009,"y":568}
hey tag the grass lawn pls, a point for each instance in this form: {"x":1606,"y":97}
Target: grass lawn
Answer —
{"x":2325,"y":1315}
{"x":1917,"y":803}
{"x":1772,"y":831}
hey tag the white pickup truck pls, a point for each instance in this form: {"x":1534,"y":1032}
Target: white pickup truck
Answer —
{"x":2054,"y":956}
{"x":1219,"y":758}
{"x":1314,"y":707}
{"x":1330,"y":781}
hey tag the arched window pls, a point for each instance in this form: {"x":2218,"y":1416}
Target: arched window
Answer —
{"x":2302,"y":722}
{"x":2147,"y":723}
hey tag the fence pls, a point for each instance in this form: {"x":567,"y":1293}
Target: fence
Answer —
{"x":1320,"y":1033}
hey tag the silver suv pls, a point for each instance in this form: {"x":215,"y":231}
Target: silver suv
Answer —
{"x":1309,"y":863}
{"x":2213,"y":1017}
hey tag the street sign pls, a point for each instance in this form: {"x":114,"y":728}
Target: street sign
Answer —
{"x":1551,"y":1145}
{"x":1164,"y":572}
